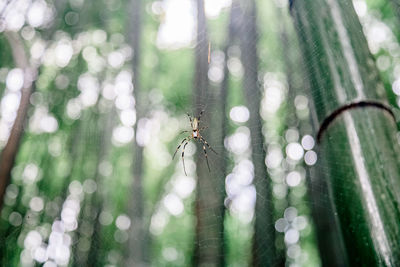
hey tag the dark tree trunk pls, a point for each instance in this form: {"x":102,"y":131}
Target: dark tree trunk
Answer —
{"x":359,"y":154}
{"x":138,"y":249}
{"x":10,"y":151}
{"x":209,"y":203}
{"x":327,"y":230}
{"x":99,"y":196}
{"x":264,"y":252}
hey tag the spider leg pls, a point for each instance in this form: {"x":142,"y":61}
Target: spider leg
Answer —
{"x":190,"y":119}
{"x":203,"y":128}
{"x":184,"y":132}
{"x":201,"y":113}
{"x":205,"y":142}
{"x":186,"y":139}
{"x":205,"y":153}
{"x":183,"y":156}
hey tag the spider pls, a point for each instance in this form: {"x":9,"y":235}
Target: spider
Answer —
{"x":194,"y":134}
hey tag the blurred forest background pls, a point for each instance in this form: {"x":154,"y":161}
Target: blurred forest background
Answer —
{"x":94,"y":96}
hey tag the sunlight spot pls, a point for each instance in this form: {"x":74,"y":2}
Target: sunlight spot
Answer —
{"x":396,"y":87}
{"x":310,"y":158}
{"x":280,"y":191}
{"x":105,"y":168}
{"x":170,"y":254}
{"x":173,"y":204}
{"x":15,"y":218}
{"x":301,"y":102}
{"x":36,"y":13}
{"x":99,"y":36}
{"x":383,"y":62}
{"x":63,"y":53}
{"x":49,"y":124}
{"x":38,"y":48}
{"x":235,"y":67}
{"x":115,"y":59}
{"x":307,"y":142}
{"x":62,"y":81}
{"x":178,"y":27}
{"x":293,"y":178}
{"x":15,"y":79}
{"x":239,"y":114}
{"x":105,"y":218}
{"x":36,"y":204}
{"x":122,"y":135}
{"x":121,"y":236}
{"x":245,"y":200}
{"x":214,"y":7}
{"x":26,"y":258}
{"x":89,"y":87}
{"x":40,"y":254}
{"x":215,"y":74}
{"x":128,"y":117}
{"x":124,"y":102}
{"x":10,"y":103}
{"x":273,"y":98}
{"x":281,"y":225}
{"x":232,"y":186}
{"x":290,"y":213}
{"x":89,"y":186}
{"x":123,"y":222}
{"x":300,"y":223}
{"x":30,"y":173}
{"x":294,"y":151}
{"x":360,"y":7}
{"x":239,"y":142}
{"x":75,"y":188}
{"x":292,"y":236}
{"x":293,"y":251}
{"x":158,"y":222}
{"x":274,"y":157}
{"x":32,"y":240}
{"x":49,"y":264}
{"x":74,"y":109}
{"x":184,"y":186}
{"x":292,"y":135}
{"x":108,"y":91}
{"x":15,"y":20}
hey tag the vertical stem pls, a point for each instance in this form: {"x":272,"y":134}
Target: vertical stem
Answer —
{"x":264,"y":252}
{"x":209,"y":203}
{"x":358,"y":152}
{"x":137,"y":240}
{"x":327,"y":232}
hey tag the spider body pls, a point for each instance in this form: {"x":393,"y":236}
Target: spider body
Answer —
{"x":195,"y":126}
{"x":194,"y":134}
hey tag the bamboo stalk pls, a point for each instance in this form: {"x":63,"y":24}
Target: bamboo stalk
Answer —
{"x":359,"y":155}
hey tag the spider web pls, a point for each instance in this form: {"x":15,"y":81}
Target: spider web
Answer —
{"x":290,"y":219}
{"x":287,"y":157}
{"x":289,"y":149}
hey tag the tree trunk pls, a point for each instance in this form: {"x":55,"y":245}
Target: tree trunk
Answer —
{"x":138,"y":249}
{"x":358,"y":151}
{"x":323,"y":212}
{"x":10,"y":151}
{"x":264,"y":253}
{"x":209,"y":203}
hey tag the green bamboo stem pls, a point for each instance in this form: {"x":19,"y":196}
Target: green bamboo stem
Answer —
{"x":358,"y":150}
{"x":264,"y":250}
